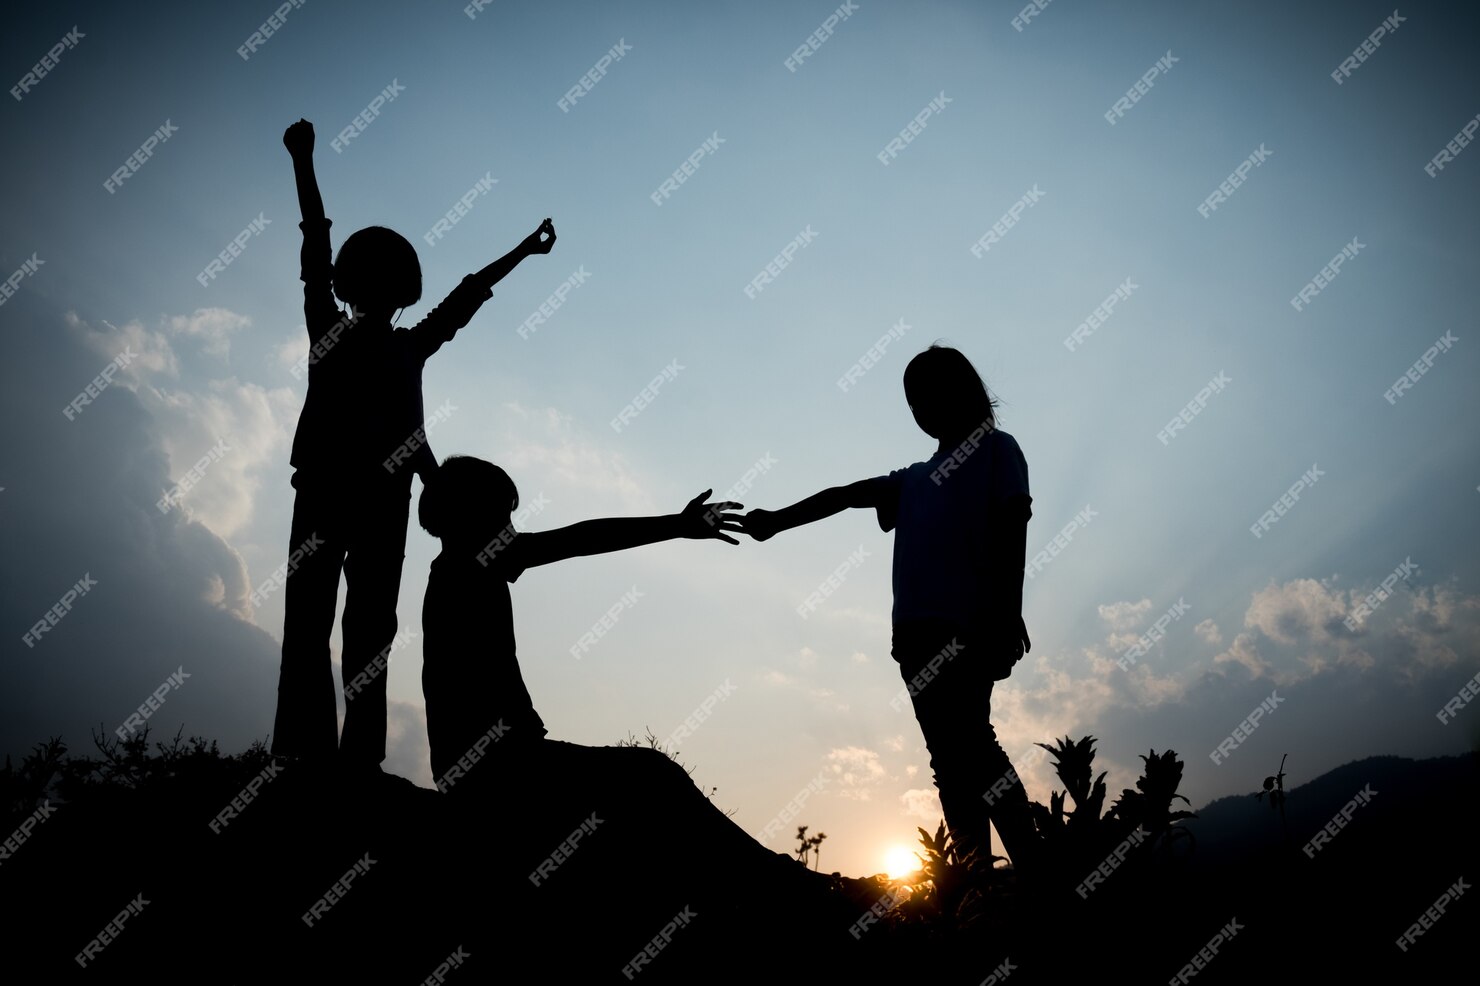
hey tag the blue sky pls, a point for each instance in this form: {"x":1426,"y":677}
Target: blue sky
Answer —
{"x":759,"y":375}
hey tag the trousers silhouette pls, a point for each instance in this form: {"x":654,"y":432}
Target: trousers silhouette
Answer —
{"x":363,"y":535}
{"x":953,"y":708}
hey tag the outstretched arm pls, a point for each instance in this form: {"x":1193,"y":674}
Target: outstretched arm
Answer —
{"x":542,"y":240}
{"x":298,"y":139}
{"x":320,"y":312}
{"x":459,"y":307}
{"x":764,"y":524}
{"x":594,"y":537}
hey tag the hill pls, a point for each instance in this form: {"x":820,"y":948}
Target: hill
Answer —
{"x":194,"y":866}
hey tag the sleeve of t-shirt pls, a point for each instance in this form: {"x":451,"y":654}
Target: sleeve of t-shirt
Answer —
{"x":320,"y":311}
{"x":455,"y":311}
{"x":509,"y":560}
{"x":1009,"y":481}
{"x":886,"y":490}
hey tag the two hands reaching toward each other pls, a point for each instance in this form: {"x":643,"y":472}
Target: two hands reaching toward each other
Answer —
{"x":709,"y":520}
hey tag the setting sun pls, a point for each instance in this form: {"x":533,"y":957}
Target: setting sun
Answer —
{"x":900,"y":861}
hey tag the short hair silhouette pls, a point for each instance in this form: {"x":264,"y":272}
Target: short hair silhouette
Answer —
{"x":463,"y":495}
{"x":377,"y":268}
{"x":946,"y":394}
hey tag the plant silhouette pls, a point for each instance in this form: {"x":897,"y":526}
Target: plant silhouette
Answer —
{"x":809,"y":846}
{"x":1275,"y":788}
{"x":1076,"y":840}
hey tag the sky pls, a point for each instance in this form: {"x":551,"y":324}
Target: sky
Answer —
{"x":1032,"y":126}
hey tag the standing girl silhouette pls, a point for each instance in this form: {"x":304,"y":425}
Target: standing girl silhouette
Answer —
{"x":960,"y":520}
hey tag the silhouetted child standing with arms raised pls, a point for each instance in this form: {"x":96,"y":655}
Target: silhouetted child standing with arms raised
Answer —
{"x":361,"y":436}
{"x":960,"y":520}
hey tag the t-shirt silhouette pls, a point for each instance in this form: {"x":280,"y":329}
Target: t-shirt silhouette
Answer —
{"x":364,"y":378}
{"x":470,"y":670}
{"x":941,"y":509}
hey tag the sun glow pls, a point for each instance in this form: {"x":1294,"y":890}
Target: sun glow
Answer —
{"x":900,"y":861}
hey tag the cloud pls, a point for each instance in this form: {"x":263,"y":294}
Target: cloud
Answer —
{"x":407,"y":750}
{"x":143,"y":352}
{"x":1303,"y":609}
{"x":1244,"y":651}
{"x":545,"y":450}
{"x":234,"y":430}
{"x":81,"y":497}
{"x":1347,"y":693}
{"x":1051,"y":697}
{"x":922,"y":803}
{"x":211,"y":327}
{"x":1297,"y":630}
{"x":1360,"y":692}
{"x":1125,"y":620}
{"x":823,"y":698}
{"x":1125,"y":615}
{"x":854,"y":771}
{"x":291,"y":351}
{"x":241,"y":428}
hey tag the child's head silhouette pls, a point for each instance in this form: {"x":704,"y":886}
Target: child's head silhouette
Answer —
{"x":467,"y":500}
{"x":947,"y":395}
{"x":377,"y":271}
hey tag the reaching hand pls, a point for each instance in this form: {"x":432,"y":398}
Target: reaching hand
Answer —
{"x":708,"y":520}
{"x":760,"y":524}
{"x":298,"y":138}
{"x":533,"y":242}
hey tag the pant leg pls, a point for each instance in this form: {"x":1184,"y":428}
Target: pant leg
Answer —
{"x":953,"y":707}
{"x":372,"y":576}
{"x":306,"y":723}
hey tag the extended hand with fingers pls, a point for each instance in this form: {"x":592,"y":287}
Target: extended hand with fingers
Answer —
{"x":709,"y":520}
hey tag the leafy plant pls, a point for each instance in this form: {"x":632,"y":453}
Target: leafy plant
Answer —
{"x":954,"y":877}
{"x":1072,"y":838}
{"x":1150,"y":805}
{"x":38,"y":778}
{"x":1073,"y":762}
{"x":51,"y":772}
{"x":1077,"y":840}
{"x":1275,"y":788}
{"x":809,"y":846}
